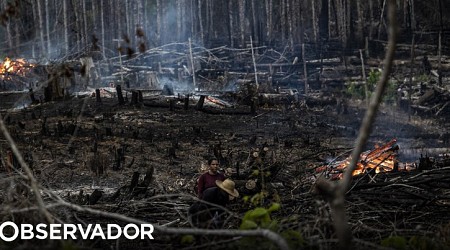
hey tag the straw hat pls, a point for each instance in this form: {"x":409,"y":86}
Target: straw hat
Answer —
{"x":228,"y":186}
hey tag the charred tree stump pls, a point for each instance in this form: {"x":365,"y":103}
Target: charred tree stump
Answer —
{"x":95,"y":197}
{"x":142,"y":187}
{"x":48,"y":93}
{"x":119,"y":158}
{"x":253,"y":107}
{"x":134,"y":98}
{"x":172,"y":104}
{"x":97,"y":95}
{"x":134,"y":181}
{"x":200,"y":102}
{"x":186,"y":102}
{"x":33,"y":99}
{"x":120,"y":95}
{"x":11,"y":162}
{"x":44,"y":130}
{"x":140,"y":96}
{"x":108,"y":131}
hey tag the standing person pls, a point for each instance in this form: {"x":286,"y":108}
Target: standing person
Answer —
{"x":208,"y":179}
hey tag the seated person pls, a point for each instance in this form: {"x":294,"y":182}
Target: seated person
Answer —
{"x":209,"y":178}
{"x":210,"y":216}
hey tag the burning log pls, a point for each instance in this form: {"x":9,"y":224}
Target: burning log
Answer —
{"x":380,"y":159}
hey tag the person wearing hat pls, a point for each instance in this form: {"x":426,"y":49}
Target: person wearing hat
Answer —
{"x":206,"y":215}
{"x":222,"y":194}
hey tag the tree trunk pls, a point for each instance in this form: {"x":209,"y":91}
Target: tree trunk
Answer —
{"x":211,"y":31}
{"x":283,"y":21}
{"x":127,"y":20}
{"x":269,"y":11}
{"x":241,"y":4}
{"x":314,"y":20}
{"x":360,"y":33}
{"x":200,"y":21}
{"x":47,"y":27}
{"x":94,"y":14}
{"x":371,"y":19}
{"x":255,"y":22}
{"x":231,"y":22}
{"x":66,"y":27}
{"x":85,"y":33}
{"x":179,"y":19}
{"x":102,"y":20}
{"x":158,"y":22}
{"x":290,"y":25}
{"x":41,"y":28}
{"x":305,"y":71}
{"x":8,"y":29}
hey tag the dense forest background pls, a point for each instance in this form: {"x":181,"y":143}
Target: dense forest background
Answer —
{"x":51,"y":29}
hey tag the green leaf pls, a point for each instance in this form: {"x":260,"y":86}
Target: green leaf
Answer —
{"x":258,"y":212}
{"x":274,"y":207}
{"x":255,"y":172}
{"x":248,"y":224}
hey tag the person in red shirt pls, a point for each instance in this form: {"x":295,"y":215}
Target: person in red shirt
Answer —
{"x":209,"y":178}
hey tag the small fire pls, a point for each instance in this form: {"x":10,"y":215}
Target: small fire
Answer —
{"x":381,"y":159}
{"x":10,"y":67}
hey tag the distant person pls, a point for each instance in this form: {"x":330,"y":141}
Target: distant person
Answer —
{"x":208,"y":179}
{"x":212,"y":215}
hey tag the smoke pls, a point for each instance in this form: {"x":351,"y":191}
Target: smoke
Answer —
{"x":178,"y":87}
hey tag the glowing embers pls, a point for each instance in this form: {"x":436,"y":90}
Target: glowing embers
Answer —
{"x":380,"y":159}
{"x":18,"y":67}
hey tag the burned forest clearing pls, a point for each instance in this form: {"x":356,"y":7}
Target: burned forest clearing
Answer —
{"x":237,"y":124}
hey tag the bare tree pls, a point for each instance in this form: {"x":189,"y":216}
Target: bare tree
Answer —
{"x":200,"y":21}
{"x":241,"y":5}
{"x":269,"y":22}
{"x":231,"y":22}
{"x":66,"y":26}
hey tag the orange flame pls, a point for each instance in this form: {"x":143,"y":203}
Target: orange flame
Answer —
{"x":14,"y":67}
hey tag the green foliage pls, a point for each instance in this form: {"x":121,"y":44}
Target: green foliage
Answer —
{"x":358,"y":91}
{"x":258,"y":199}
{"x":423,"y":78}
{"x":260,"y":218}
{"x":396,"y":242}
{"x":390,"y":94}
{"x":355,"y":91}
{"x":372,"y":79}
